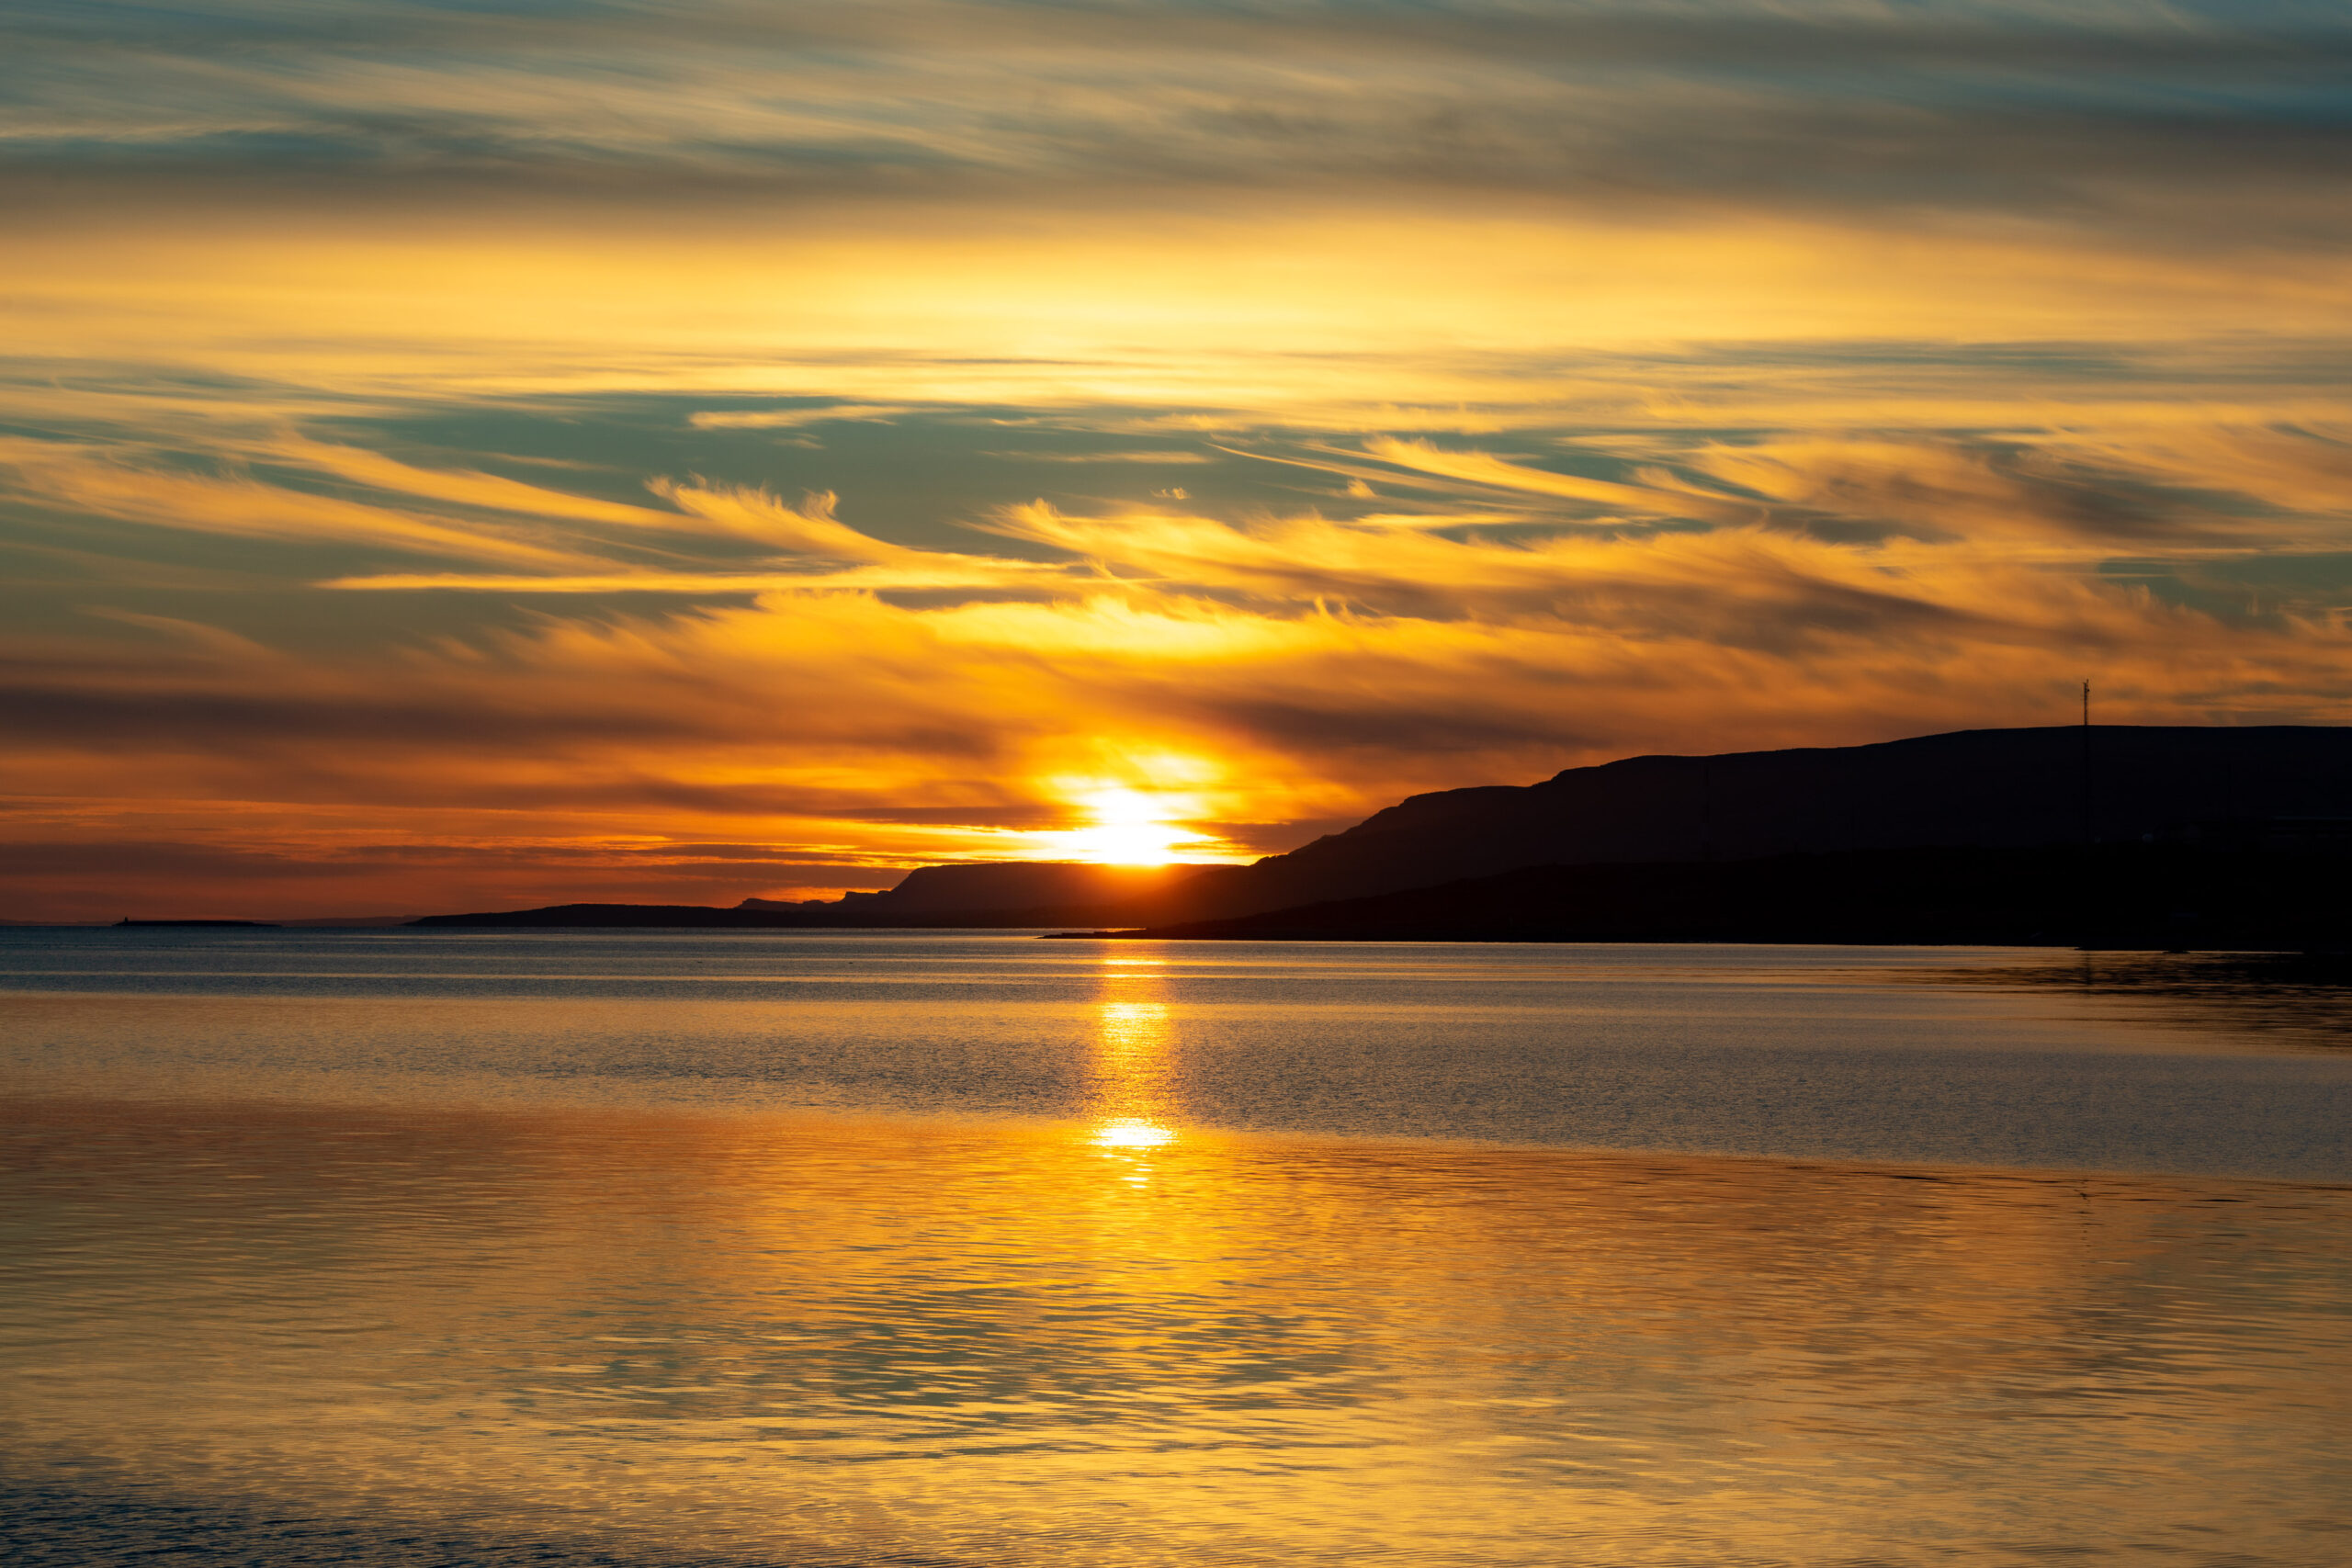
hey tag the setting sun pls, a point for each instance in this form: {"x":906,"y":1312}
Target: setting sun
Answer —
{"x":1130,"y":828}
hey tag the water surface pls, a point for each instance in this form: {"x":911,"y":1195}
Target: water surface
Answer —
{"x":1817,"y":1053}
{"x":830,"y":1248}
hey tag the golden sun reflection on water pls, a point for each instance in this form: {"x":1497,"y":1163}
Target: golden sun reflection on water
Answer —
{"x":1125,"y":1132}
{"x":1134,"y":1036}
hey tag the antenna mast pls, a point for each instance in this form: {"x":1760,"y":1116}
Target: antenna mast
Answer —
{"x":2087,"y":760}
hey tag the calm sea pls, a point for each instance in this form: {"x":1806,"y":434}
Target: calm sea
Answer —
{"x":401,"y":1247}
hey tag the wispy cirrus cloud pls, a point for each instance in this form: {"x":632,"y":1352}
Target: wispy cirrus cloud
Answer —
{"x":792,"y":418}
{"x":103,"y":483}
{"x":2078,"y":113}
{"x":1172,"y":627}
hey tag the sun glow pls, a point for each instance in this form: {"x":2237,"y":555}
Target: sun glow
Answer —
{"x":1130,"y":828}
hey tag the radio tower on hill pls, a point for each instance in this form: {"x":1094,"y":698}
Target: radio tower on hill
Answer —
{"x":2087,"y":760}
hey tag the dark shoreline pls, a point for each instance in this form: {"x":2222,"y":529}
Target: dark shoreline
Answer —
{"x":2137,"y":898}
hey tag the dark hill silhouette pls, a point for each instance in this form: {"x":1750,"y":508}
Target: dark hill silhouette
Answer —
{"x":1984,"y":788}
{"x":2120,"y":896}
{"x":2280,"y":788}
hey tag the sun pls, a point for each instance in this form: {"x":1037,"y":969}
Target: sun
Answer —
{"x":1130,"y":828}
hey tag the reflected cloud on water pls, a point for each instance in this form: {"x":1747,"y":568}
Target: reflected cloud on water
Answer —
{"x":817,"y":1339}
{"x":1160,"y":1254}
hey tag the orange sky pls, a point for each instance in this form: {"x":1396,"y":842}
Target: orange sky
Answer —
{"x":582,"y":458}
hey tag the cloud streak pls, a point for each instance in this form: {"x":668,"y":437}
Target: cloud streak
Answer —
{"x":2099,"y":113}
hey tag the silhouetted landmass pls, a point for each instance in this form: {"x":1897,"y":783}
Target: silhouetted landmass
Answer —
{"x":1993,"y":823}
{"x":346,"y":922}
{"x":248,"y":925}
{"x":2124,"y":895}
{"x":784,"y":917}
{"x":623,"y":915}
{"x":988,"y":895}
{"x":1006,"y":884}
{"x":787,"y":917}
{"x":2288,"y":788}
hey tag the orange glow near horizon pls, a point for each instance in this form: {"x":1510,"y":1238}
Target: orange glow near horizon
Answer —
{"x":1131,"y":827}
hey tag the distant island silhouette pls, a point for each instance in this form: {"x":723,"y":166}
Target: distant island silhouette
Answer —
{"x":249,"y":925}
{"x":2112,"y":835}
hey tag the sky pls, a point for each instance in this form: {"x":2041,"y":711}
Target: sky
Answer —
{"x":481,"y":456}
